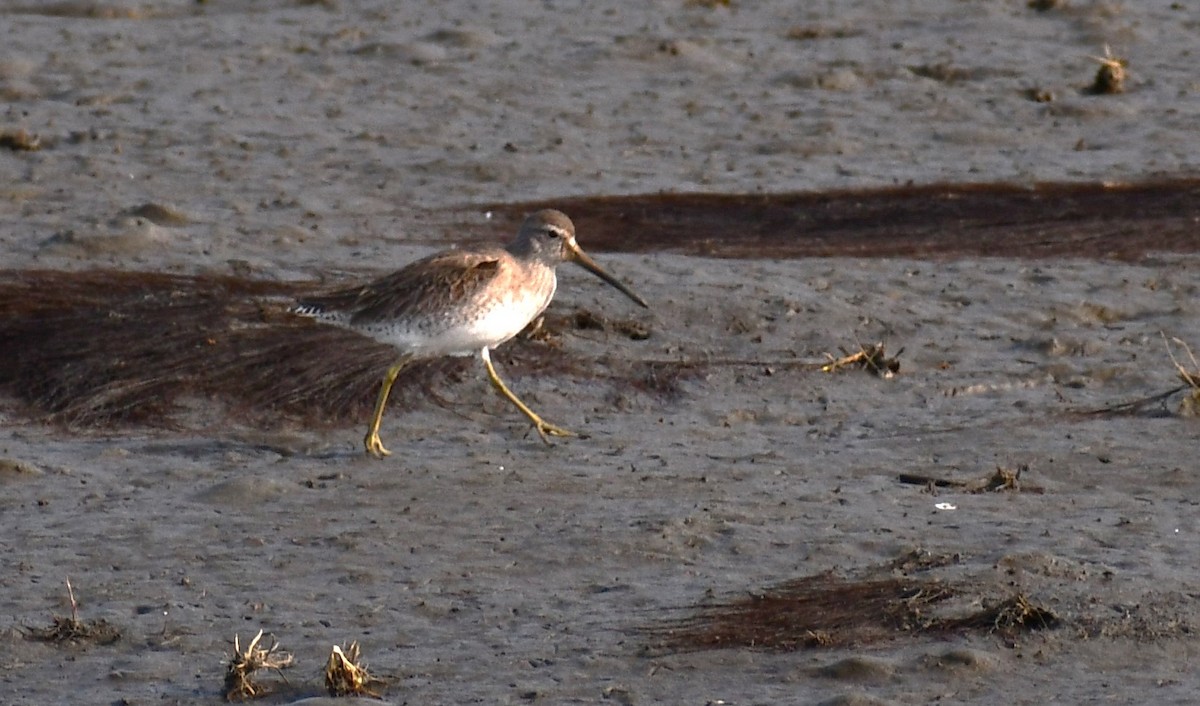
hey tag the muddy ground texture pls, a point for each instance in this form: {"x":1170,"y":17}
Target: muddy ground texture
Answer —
{"x":1009,"y":516}
{"x":1001,"y":490}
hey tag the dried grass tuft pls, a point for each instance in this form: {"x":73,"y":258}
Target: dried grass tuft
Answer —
{"x":1110,"y":77}
{"x":1007,"y":617}
{"x":239,"y":674}
{"x":345,"y":675}
{"x":73,"y":631}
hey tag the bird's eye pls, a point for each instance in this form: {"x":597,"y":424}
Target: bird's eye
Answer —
{"x":552,"y":233}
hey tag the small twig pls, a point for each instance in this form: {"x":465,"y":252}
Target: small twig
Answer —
{"x":1134,"y":407}
{"x":1002,"y":479}
{"x":930,"y":481}
{"x":868,"y":357}
{"x":1191,"y":379}
{"x":74,"y":604}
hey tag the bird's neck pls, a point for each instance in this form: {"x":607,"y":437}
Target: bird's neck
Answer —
{"x":521,"y":247}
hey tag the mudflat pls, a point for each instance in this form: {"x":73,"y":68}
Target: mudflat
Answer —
{"x":1010,"y":515}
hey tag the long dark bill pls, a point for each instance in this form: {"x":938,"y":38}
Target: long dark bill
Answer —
{"x":581,"y":258}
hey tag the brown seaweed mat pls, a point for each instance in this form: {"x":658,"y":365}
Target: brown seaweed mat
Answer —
{"x":109,"y":348}
{"x":106,"y":347}
{"x":827,"y":610}
{"x":1124,"y":221}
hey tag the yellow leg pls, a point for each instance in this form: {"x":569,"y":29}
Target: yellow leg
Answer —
{"x":544,"y":428}
{"x":371,"y":442}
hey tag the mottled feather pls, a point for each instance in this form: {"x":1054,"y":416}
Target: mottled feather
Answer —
{"x":437,"y":283}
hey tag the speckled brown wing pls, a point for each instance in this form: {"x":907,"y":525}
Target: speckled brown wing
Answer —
{"x":426,"y":286}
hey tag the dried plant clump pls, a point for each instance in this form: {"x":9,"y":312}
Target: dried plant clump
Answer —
{"x":20,"y":140}
{"x":1002,"y":479}
{"x":1009,"y":616}
{"x":239,"y":682}
{"x":74,"y":631}
{"x":1040,"y":95}
{"x":346,"y":676}
{"x":1018,"y":613}
{"x":1110,"y":77}
{"x":872,"y":358}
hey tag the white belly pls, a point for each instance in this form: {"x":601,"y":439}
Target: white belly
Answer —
{"x":464,"y":331}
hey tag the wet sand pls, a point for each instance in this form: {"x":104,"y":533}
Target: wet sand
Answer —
{"x":1027,"y":257}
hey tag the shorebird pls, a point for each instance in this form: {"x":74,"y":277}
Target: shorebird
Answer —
{"x":459,"y":303}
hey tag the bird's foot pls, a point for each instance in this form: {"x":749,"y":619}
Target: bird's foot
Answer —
{"x":547,"y":430}
{"x":374,"y":446}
